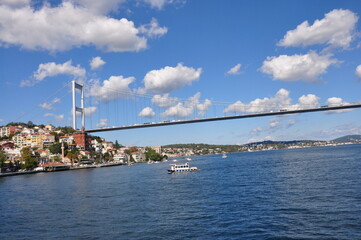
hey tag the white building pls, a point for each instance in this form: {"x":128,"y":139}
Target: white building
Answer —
{"x":121,"y":158}
{"x":138,"y":156}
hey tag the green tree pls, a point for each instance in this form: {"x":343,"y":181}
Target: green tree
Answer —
{"x":151,"y":154}
{"x":56,"y":148}
{"x":56,"y":158}
{"x":116,"y":145}
{"x":30,"y":162}
{"x":2,"y":159}
{"x":107,"y":157}
{"x":56,"y":136}
{"x":73,"y":157}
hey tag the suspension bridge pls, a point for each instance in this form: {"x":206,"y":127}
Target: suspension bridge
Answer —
{"x":109,"y":109}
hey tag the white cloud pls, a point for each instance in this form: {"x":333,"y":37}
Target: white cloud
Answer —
{"x":96,"y":63}
{"x":113,"y":88}
{"x":52,"y":69}
{"x":184,"y":109}
{"x":103,"y":122}
{"x":169,"y":79}
{"x":67,"y":26}
{"x":152,"y":30}
{"x":46,"y":106}
{"x":266,"y":138}
{"x":305,"y":101}
{"x":178,"y":111}
{"x":358,"y":72}
{"x":235,"y":70}
{"x":306,"y":67}
{"x":49,"y":105}
{"x":15,"y":3}
{"x":100,"y":7}
{"x":164,"y":101}
{"x":147,"y":113}
{"x":335,"y":29}
{"x":158,"y":4}
{"x":56,"y":117}
{"x":334,"y":102}
{"x":90,"y":111}
{"x":279,"y":101}
{"x":202,"y":108}
{"x":275,"y":124}
{"x":1,"y":120}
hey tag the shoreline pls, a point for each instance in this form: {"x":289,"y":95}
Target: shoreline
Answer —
{"x":71,"y":168}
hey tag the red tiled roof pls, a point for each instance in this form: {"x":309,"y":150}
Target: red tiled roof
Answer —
{"x":52,"y":164}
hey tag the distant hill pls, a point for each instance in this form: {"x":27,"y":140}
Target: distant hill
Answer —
{"x":348,"y":138}
{"x":282,"y":142}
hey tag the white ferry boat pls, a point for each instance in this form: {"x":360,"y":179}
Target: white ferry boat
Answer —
{"x":181,"y":168}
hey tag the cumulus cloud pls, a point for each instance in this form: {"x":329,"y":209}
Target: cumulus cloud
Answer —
{"x":67,"y":26}
{"x":358,"y":72}
{"x":184,"y":109}
{"x":281,"y":100}
{"x":52,"y":69}
{"x":178,"y":111}
{"x":152,"y":30}
{"x":103,"y":122}
{"x":113,"y":88}
{"x":169,"y":79}
{"x":306,"y":67}
{"x":147,"y":113}
{"x":235,"y":70}
{"x":336,"y":101}
{"x":96,"y":63}
{"x":305,"y":101}
{"x":275,"y":103}
{"x":335,"y":29}
{"x":164,"y":101}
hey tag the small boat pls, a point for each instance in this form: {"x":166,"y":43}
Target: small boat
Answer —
{"x":175,"y":160}
{"x":189,"y":159}
{"x":181,"y":168}
{"x":224,"y":155}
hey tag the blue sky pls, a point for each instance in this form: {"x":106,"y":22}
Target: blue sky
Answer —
{"x":156,"y":60}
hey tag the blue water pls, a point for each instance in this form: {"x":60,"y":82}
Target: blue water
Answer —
{"x":312,"y":193}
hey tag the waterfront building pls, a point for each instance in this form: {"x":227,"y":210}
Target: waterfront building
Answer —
{"x":157,"y":149}
{"x":82,"y":140}
{"x":121,"y":158}
{"x":138,"y":156}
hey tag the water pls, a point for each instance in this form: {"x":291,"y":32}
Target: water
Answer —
{"x":312,"y":193}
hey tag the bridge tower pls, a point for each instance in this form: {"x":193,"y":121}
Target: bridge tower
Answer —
{"x":80,"y":109}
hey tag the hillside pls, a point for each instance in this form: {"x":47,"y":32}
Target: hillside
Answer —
{"x":348,"y":138}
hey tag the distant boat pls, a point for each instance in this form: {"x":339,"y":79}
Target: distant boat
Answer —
{"x":181,"y":168}
{"x":189,"y":159}
{"x":224,"y":155}
{"x":175,"y":160}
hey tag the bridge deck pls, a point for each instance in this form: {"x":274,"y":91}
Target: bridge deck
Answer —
{"x":167,"y":123}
